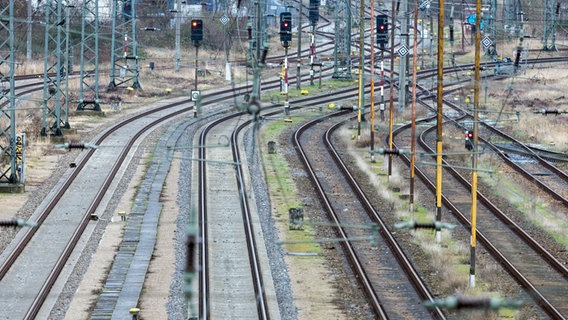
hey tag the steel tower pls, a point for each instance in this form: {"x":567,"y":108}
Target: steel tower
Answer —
{"x":89,"y":86}
{"x":55,"y":70}
{"x":124,"y":59}
{"x":342,"y":50}
{"x":8,"y":167}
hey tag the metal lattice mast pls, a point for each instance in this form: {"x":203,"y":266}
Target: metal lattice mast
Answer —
{"x":124,"y":59}
{"x":89,"y":86}
{"x":549,"y":25}
{"x":8,"y":173}
{"x":54,"y":70}
{"x":491,"y":24}
{"x":178,"y":35}
{"x":342,"y":49}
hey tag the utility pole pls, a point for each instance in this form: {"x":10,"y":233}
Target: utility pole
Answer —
{"x":372,"y":106}
{"x":476,"y":103}
{"x":361,"y":104}
{"x":413,"y":123}
{"x":440,"y":117}
{"x":177,"y":13}
{"x":299,"y":57}
{"x":391,"y":88}
{"x":491,"y":23}
{"x":257,"y":62}
{"x":29,"y":32}
{"x":259,"y":40}
{"x":403,"y":66}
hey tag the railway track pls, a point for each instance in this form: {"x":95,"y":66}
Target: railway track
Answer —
{"x":63,"y":217}
{"x":534,"y":267}
{"x":84,"y":218}
{"x":232,"y":280}
{"x":392,"y":285}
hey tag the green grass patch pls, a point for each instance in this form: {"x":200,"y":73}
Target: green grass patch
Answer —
{"x":535,"y":210}
{"x":283,"y":192}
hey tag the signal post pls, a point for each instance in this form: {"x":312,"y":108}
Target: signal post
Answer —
{"x":313,"y":15}
{"x":196,"y":36}
{"x":286,"y":38}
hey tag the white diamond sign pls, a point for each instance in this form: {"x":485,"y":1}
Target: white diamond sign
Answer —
{"x":224,"y":19}
{"x":402,"y":51}
{"x":486,"y":42}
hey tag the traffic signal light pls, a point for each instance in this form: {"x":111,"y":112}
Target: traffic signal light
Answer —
{"x":196,"y":30}
{"x":382,"y":29}
{"x":285,"y":26}
{"x":468,"y":140}
{"x":314,"y":11}
{"x":127,"y":10}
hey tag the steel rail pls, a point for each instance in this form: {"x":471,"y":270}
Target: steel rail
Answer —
{"x":360,"y":272}
{"x":396,"y":249}
{"x":539,"y":298}
{"x":262,"y":301}
{"x":56,"y":271}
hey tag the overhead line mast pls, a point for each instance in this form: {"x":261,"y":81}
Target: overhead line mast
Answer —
{"x":55,"y":102}
{"x":89,"y":86}
{"x":124,"y":59}
{"x":8,"y":173}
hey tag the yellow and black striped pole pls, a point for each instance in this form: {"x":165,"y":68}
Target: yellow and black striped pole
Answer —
{"x":440,"y":117}
{"x":476,"y":89}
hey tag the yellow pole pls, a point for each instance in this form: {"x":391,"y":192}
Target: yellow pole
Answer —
{"x":391,"y":91}
{"x":361,"y":68}
{"x":440,"y":117}
{"x":476,"y":89}
{"x":372,"y":79}
{"x":413,"y":133}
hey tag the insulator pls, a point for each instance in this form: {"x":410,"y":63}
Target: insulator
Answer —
{"x":9,"y":223}
{"x":190,"y":266}
{"x":469,"y":302}
{"x":253,"y":107}
{"x":391,"y":151}
{"x":76,"y":145}
{"x":264,"y":54}
{"x":517,"y":57}
{"x":424,"y":225}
